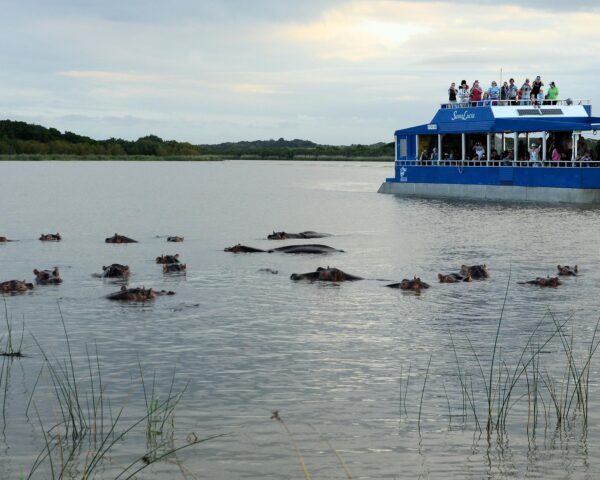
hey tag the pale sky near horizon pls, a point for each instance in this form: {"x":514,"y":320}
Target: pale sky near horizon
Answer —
{"x":330,"y":71}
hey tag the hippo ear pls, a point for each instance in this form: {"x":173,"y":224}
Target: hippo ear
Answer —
{"x":559,"y":267}
{"x":576,"y":269}
{"x":35,"y":271}
{"x":104,"y":268}
{"x":440,"y":276}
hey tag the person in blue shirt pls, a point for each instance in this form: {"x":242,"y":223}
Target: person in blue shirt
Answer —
{"x":493,"y":94}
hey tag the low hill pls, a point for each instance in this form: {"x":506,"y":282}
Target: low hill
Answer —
{"x":21,"y":138}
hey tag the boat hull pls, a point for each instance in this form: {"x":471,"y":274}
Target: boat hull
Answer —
{"x":527,"y":184}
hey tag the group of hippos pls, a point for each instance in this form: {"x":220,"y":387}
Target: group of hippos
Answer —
{"x":170,"y":264}
{"x":467,"y":273}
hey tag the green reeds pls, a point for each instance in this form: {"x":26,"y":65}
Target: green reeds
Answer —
{"x":275,"y":416}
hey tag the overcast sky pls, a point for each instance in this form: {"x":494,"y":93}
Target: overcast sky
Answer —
{"x":331,"y":71}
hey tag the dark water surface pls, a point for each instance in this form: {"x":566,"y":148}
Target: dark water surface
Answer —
{"x":333,"y":359}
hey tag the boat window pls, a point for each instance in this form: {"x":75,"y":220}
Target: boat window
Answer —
{"x":403,"y":145}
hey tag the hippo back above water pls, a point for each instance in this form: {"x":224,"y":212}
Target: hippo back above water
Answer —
{"x":50,"y":237}
{"x":116,"y":238}
{"x":328,"y":274}
{"x":285,"y":235}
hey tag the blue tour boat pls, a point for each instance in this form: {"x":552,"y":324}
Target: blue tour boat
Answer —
{"x":499,"y":150}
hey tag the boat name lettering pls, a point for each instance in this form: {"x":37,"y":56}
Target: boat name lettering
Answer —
{"x":462,"y":115}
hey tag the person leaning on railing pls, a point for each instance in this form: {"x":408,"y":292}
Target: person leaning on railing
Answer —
{"x":493,"y":94}
{"x":512,"y":92}
{"x":476,"y":93}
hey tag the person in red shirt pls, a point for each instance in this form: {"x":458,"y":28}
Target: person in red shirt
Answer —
{"x":476,"y":93}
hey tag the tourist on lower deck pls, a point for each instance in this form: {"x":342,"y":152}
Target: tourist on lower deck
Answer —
{"x":479,"y":151}
{"x":424,"y":156}
{"x":534,"y":153}
{"x":555,"y":153}
{"x":435,"y":156}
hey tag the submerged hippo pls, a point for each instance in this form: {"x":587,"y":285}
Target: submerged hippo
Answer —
{"x":11,"y":286}
{"x":567,"y":271}
{"x":4,"y":240}
{"x":174,"y":267}
{"x":116,"y":270}
{"x":47,"y":277}
{"x":50,"y":237}
{"x":310,"y":248}
{"x":415,"y":284}
{"x":116,"y":238}
{"x":163,"y":259}
{"x":175,"y":239}
{"x":476,"y":272}
{"x":138,"y":294}
{"x":325,"y":275}
{"x":284,"y":235}
{"x":544,"y":282}
{"x":453,"y":278}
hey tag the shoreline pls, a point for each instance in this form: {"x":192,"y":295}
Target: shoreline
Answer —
{"x":186,"y":158}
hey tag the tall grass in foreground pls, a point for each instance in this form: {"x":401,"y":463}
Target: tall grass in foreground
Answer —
{"x":88,"y":433}
{"x":526,"y":388}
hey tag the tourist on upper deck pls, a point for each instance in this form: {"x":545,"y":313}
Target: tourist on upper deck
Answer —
{"x":504,"y":92}
{"x":536,"y":86}
{"x":476,"y":93}
{"x":552,"y":93}
{"x":539,"y":100}
{"x":493,"y":94}
{"x":452,"y":91}
{"x":463,"y":93}
{"x":525,"y":93}
{"x":512,"y":92}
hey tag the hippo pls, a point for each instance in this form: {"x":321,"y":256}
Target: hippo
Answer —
{"x":476,"y":272}
{"x":4,"y":240}
{"x":116,"y":238}
{"x":567,"y":271}
{"x":175,"y":239}
{"x":268,"y":270}
{"x":164,"y":259}
{"x":325,"y":275}
{"x":50,"y":237}
{"x":115,"y":270}
{"x":415,"y":284}
{"x":174,"y":267}
{"x":309,"y":248}
{"x":138,"y":294}
{"x":454,"y":278}
{"x":47,"y":277}
{"x":12,"y":286}
{"x":544,"y":282}
{"x":284,"y":235}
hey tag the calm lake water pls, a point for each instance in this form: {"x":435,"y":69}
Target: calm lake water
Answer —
{"x":344,"y":364}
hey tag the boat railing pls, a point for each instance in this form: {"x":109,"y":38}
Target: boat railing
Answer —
{"x":498,"y":163}
{"x":515,"y":103}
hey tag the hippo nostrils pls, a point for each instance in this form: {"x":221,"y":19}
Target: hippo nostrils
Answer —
{"x":476,"y":272}
{"x":175,"y":239}
{"x":50,"y":237}
{"x":163,"y":259}
{"x":12,"y":286}
{"x":325,"y":275}
{"x":284,"y":235}
{"x":310,"y":248}
{"x":174,"y":267}
{"x":415,"y":284}
{"x":139,"y":294}
{"x":567,"y":271}
{"x":454,"y":278}
{"x":116,"y":238}
{"x":47,"y":277}
{"x":115,"y":270}
{"x":544,"y":282}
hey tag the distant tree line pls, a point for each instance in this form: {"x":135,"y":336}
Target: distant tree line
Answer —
{"x":20,"y":138}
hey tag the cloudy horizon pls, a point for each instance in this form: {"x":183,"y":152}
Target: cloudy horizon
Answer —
{"x":331,"y":71}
